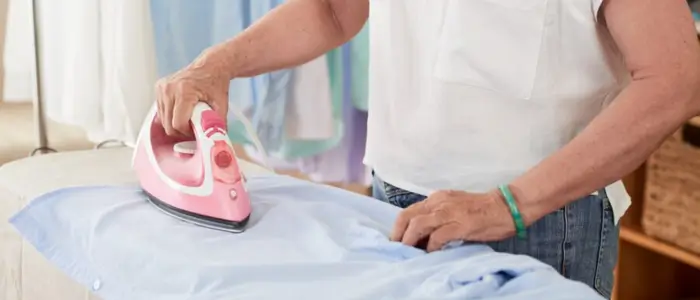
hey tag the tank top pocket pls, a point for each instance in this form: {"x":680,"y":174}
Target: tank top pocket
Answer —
{"x":492,"y":44}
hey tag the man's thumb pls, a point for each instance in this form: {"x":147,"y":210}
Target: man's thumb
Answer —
{"x":220,"y":106}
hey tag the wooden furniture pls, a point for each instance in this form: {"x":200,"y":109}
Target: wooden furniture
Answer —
{"x":648,"y":268}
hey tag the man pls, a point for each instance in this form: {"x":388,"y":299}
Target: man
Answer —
{"x":506,"y":114}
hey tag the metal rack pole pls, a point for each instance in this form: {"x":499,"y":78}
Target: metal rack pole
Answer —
{"x":39,"y":117}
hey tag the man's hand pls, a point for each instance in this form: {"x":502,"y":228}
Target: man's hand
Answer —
{"x":179,"y":93}
{"x":448,"y":216}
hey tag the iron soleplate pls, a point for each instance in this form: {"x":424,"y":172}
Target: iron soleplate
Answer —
{"x":197,"y":219}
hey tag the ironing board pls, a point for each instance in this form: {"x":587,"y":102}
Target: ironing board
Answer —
{"x":24,"y":273}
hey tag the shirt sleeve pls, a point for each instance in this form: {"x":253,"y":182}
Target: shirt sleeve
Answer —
{"x":595,"y":8}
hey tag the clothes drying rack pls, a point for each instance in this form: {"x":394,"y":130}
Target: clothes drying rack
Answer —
{"x":39,"y":116}
{"x":38,"y":101}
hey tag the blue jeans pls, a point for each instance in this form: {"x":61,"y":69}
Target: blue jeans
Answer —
{"x":579,"y":240}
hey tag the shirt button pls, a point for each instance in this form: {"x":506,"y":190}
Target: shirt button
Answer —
{"x":96,"y":285}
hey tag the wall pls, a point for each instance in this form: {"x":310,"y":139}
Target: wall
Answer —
{"x":19,"y":52}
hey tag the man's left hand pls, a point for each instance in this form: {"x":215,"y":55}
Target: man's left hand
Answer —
{"x":447,"y":216}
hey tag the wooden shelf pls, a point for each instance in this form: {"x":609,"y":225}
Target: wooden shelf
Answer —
{"x":637,"y":237}
{"x":647,"y":268}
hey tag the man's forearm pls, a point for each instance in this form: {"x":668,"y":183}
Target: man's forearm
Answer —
{"x":659,"y":44}
{"x":614,"y":144}
{"x":291,"y":34}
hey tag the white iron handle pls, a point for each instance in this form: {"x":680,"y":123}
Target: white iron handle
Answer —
{"x":199,"y":117}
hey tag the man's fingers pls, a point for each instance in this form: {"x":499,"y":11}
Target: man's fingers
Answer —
{"x":167,"y":116}
{"x":443,"y":235}
{"x":160,"y":103}
{"x":219,"y":104}
{"x":419,"y":228}
{"x":159,"y":113}
{"x":404,"y":219}
{"x":182,"y":112}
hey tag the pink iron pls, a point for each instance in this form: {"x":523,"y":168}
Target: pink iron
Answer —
{"x":197,"y":181}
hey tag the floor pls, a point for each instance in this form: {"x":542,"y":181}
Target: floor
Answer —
{"x":18,"y":135}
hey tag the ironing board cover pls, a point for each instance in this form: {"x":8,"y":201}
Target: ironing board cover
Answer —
{"x":306,"y":241}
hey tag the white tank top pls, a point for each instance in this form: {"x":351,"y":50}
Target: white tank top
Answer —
{"x":470,"y":94}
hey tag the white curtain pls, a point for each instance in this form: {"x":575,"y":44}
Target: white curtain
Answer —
{"x":4,"y":10}
{"x":98,"y":65}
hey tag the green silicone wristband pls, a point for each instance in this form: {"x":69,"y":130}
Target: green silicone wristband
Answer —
{"x":514,"y":212}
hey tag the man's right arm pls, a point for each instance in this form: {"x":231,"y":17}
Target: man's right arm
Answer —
{"x":291,"y":34}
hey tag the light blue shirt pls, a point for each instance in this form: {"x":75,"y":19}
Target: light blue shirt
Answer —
{"x":305,"y":241}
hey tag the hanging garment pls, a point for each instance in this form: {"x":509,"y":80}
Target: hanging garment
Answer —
{"x":295,"y":149}
{"x":309,"y":114}
{"x":297,"y":113}
{"x":129,"y":68}
{"x":332,"y":165}
{"x":179,"y":39}
{"x":359,"y":48}
{"x":4,"y":12}
{"x":304,"y":241}
{"x":338,"y":159}
{"x":358,"y":172}
{"x":270,"y":91}
{"x":98,"y":65}
{"x":273,"y":93}
{"x":342,"y":163}
{"x":69,"y":36}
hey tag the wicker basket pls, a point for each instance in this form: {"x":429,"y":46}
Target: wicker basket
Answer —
{"x":672,"y":192}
